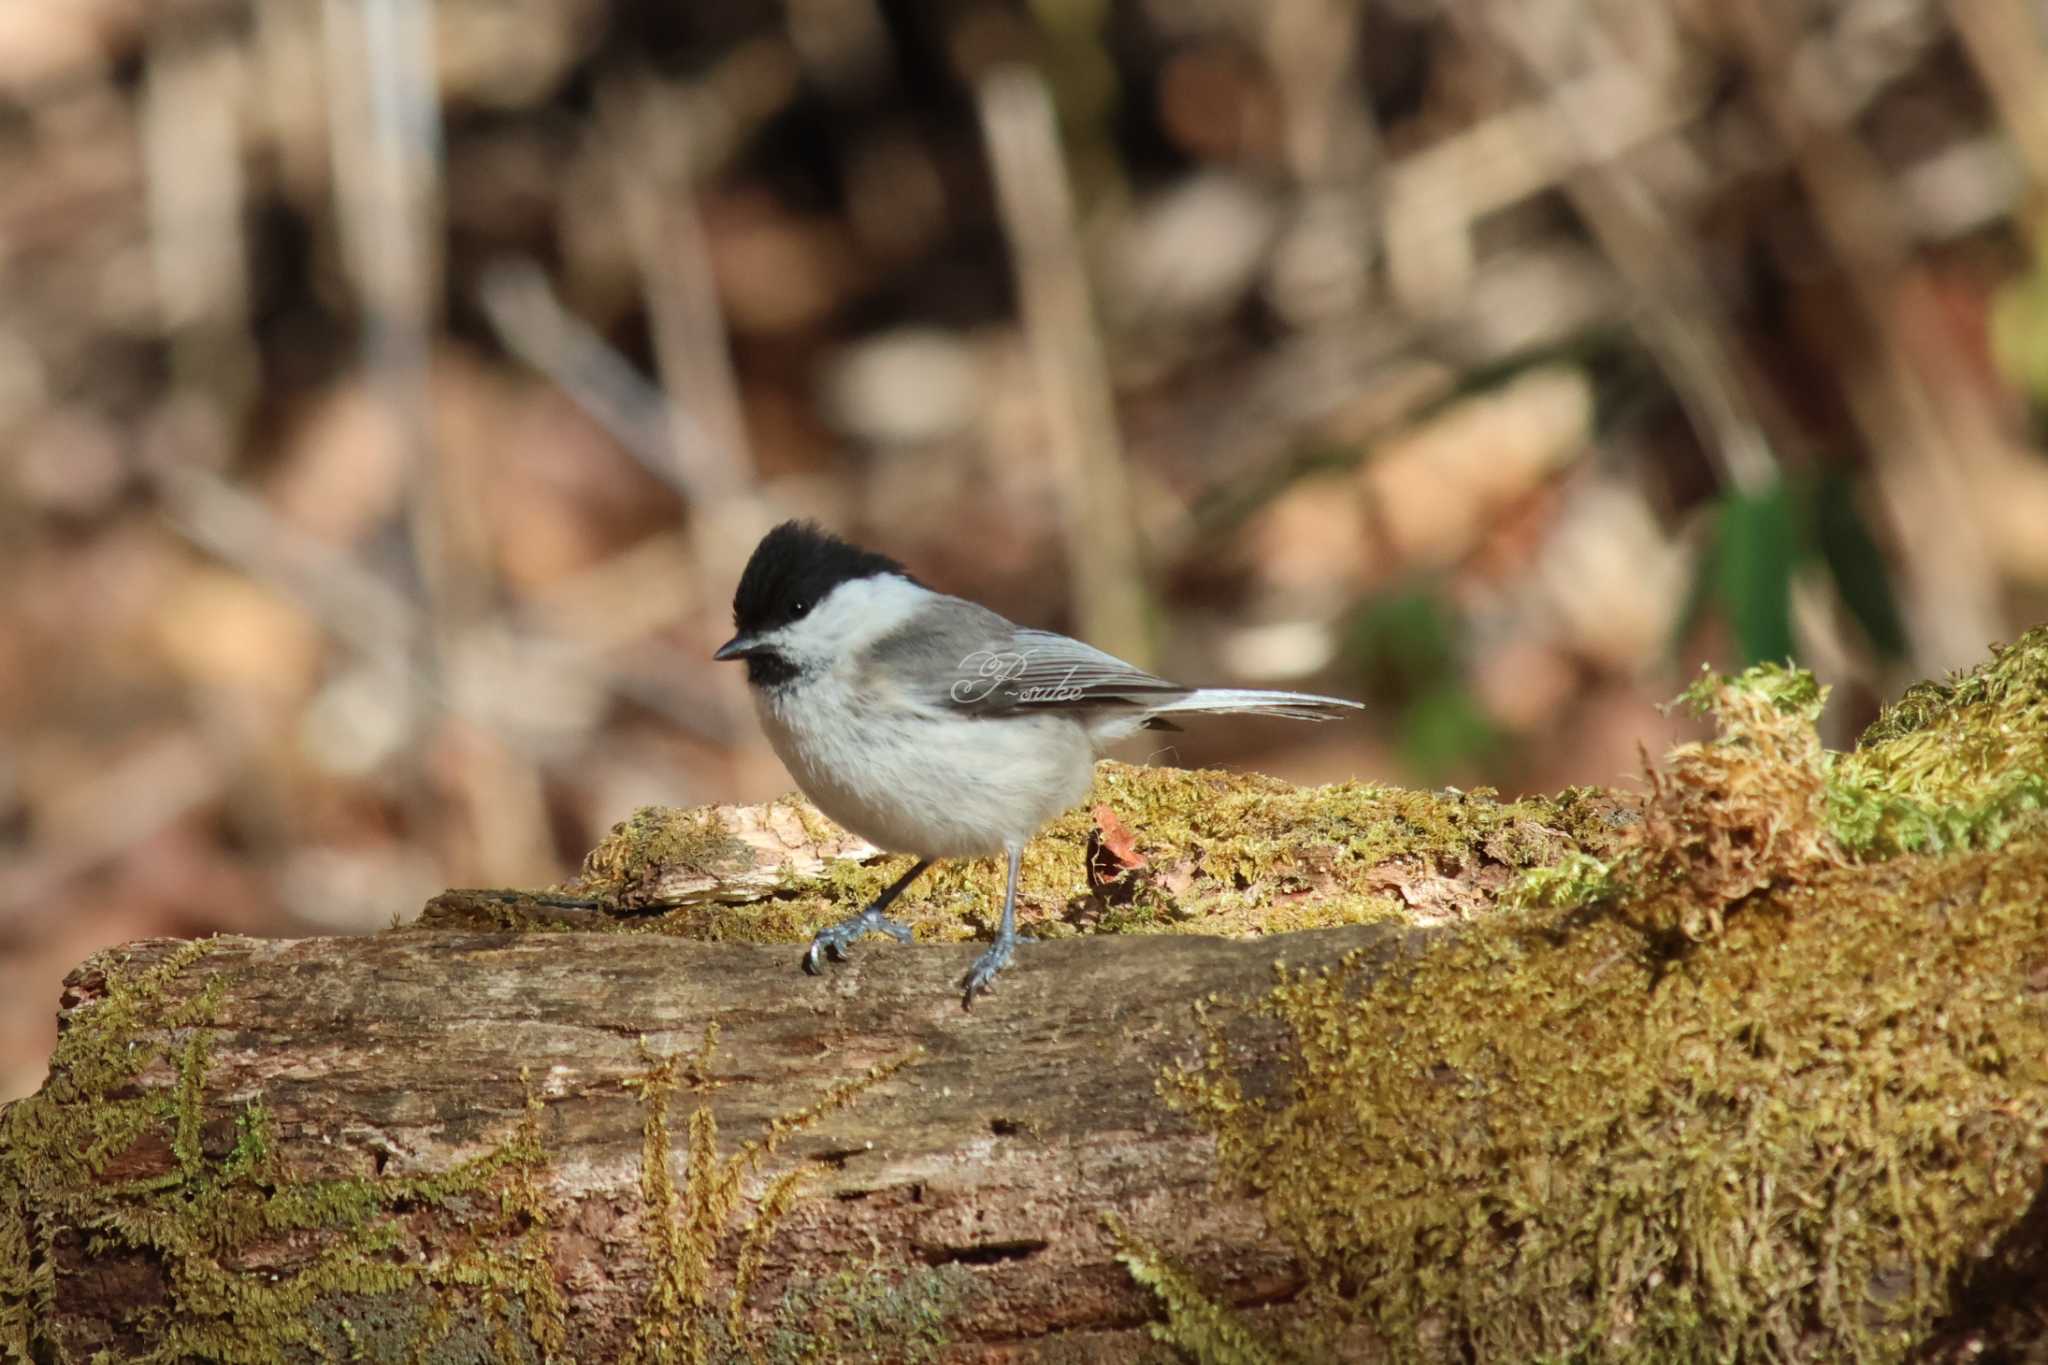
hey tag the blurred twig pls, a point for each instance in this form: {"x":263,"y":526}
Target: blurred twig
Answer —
{"x":534,"y":326}
{"x":655,"y":165}
{"x":2009,"y":46}
{"x":1437,"y":196}
{"x":354,"y":604}
{"x":655,"y":178}
{"x":1066,"y":349}
{"x":193,"y":154}
{"x":367,"y":613}
{"x":1329,"y":133}
{"x":387,"y":175}
{"x":610,"y":602}
{"x":1677,"y":313}
{"x":384,"y":135}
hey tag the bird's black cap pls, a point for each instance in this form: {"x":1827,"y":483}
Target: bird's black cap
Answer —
{"x":792,"y":569}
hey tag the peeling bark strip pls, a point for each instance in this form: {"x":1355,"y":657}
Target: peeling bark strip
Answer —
{"x":436,"y":1137}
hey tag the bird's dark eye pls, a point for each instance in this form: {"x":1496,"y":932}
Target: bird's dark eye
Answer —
{"x":800,"y":610}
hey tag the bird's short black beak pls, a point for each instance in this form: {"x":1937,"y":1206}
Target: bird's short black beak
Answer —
{"x":738,"y":647}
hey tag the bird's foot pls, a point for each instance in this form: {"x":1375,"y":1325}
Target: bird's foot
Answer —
{"x":980,"y":978}
{"x":833,"y":940}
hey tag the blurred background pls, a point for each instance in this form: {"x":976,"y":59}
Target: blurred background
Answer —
{"x":391,"y":390}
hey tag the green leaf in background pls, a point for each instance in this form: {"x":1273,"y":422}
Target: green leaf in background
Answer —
{"x":1444,"y":730}
{"x":1755,"y":551}
{"x":1856,"y":564}
{"x":1405,"y":643}
{"x":1405,"y":646}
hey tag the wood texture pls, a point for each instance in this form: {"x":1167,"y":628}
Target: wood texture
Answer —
{"x":996,"y":1145}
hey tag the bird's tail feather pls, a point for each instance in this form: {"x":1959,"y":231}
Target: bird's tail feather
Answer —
{"x":1221,"y":701}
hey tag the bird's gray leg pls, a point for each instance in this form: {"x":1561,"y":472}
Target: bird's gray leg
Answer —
{"x":834,"y":940}
{"x":980,"y":977}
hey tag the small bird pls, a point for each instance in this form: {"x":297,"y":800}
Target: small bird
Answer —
{"x":930,"y":725}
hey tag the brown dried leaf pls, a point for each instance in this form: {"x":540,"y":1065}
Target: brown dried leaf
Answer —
{"x":1116,"y":839}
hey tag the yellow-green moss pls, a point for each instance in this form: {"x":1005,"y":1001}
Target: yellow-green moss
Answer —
{"x":1201,"y":1329}
{"x":1226,"y":853}
{"x":654,"y":840}
{"x":690,"y":1229}
{"x":52,"y":1145}
{"x":1622,"y":1123}
{"x":351,"y":1277}
{"x":1960,"y":764}
{"x":1545,"y":1141}
{"x":203,"y":1212}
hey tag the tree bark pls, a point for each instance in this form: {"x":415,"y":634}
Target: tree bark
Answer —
{"x":979,"y":1162}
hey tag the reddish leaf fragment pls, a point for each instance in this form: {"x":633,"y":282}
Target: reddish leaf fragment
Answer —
{"x":1120,"y":842}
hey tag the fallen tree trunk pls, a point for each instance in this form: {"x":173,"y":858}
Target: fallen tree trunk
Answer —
{"x":1757,"y":1069}
{"x":340,"y":1123}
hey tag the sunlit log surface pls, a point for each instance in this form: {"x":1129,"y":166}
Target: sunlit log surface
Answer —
{"x":436,"y":1141}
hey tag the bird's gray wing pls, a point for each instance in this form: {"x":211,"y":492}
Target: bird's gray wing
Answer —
{"x":961,"y":656}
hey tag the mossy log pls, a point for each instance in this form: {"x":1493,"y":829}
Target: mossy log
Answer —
{"x":565,"y":1126}
{"x":1751,"y":1066}
{"x":418,"y":1080}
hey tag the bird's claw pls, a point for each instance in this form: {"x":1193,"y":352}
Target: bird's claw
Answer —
{"x":981,"y":977}
{"x":834,"y":939}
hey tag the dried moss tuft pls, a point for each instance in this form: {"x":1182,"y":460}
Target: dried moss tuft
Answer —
{"x":1731,"y":816}
{"x":1723,"y":819}
{"x":1951,"y":766}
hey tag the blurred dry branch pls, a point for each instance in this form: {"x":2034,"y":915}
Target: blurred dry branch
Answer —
{"x":532,"y":324}
{"x":1068,"y":364}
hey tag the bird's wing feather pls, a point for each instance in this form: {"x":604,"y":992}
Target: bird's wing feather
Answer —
{"x":1044,"y":669}
{"x":956,"y":655}
{"x":966,"y":657}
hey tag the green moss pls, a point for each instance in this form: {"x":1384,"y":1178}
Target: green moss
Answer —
{"x":256,"y":1263}
{"x":872,"y":1312}
{"x":625,"y":866}
{"x":1960,"y":764}
{"x":58,"y":1141}
{"x":142,"y":1174}
{"x":1201,"y":1329}
{"x":1626,"y":1122}
{"x":691,"y":1228}
{"x":1225,"y":853}
{"x":1577,"y":879}
{"x":1788,"y":691}
{"x":1548,"y":1141}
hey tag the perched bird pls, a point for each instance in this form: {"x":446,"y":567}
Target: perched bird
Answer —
{"x":928,"y":724}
